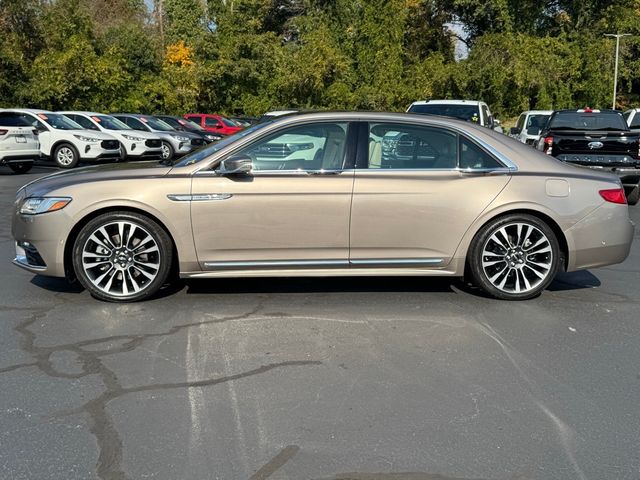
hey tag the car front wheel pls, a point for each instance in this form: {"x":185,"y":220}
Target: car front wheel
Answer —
{"x":167,"y":151}
{"x":66,"y":156}
{"x":122,"y":257}
{"x":514,"y":257}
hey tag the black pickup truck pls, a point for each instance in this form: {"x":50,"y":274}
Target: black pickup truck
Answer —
{"x":598,"y":139}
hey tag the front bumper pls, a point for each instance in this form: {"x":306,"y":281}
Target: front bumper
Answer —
{"x":601,"y":238}
{"x":40,"y":241}
{"x":93,"y":151}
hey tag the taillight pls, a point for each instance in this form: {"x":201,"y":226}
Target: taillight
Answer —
{"x":614,"y":195}
{"x":548,"y":145}
{"x":3,"y":132}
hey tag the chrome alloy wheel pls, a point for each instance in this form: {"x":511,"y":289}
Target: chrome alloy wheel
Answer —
{"x":517,"y":257}
{"x":166,"y":151}
{"x":65,"y":156}
{"x":121,"y":258}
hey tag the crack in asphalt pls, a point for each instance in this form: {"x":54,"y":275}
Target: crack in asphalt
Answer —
{"x":101,"y":425}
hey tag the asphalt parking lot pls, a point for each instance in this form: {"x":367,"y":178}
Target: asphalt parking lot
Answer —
{"x":350,"y":378}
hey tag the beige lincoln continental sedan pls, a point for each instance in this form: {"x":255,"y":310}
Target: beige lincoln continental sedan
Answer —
{"x":327,"y":194}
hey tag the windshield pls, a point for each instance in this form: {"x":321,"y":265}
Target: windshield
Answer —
{"x":209,"y":150}
{"x":59,"y":122}
{"x":157,"y":124}
{"x":110,"y":123}
{"x":183,"y":123}
{"x":229,"y":123}
{"x":469,"y":113}
{"x":588,"y":121}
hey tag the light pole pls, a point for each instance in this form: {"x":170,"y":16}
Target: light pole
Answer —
{"x":618,"y":36}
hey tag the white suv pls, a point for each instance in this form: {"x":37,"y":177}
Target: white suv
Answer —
{"x":137,"y":145}
{"x":66,"y":142}
{"x":468,"y":110}
{"x":19,"y":146}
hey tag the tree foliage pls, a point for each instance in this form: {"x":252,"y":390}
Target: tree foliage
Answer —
{"x":249,"y":56}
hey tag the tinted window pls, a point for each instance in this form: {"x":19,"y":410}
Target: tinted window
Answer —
{"x":172,"y":122}
{"x":110,"y":123}
{"x":469,"y":113}
{"x":8,"y":119}
{"x":538,"y":121}
{"x":84,"y":122}
{"x":588,"y":121}
{"x":229,"y":123}
{"x":635,"y":123}
{"x":473,"y":157}
{"x":401,"y":146}
{"x":58,"y":121}
{"x":134,"y":123}
{"x":310,"y":147}
{"x":211,"y":122}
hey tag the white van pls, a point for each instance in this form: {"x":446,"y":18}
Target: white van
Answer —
{"x":65,"y":142}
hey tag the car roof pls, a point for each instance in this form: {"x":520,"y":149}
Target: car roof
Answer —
{"x":80,"y":112}
{"x":537,"y":112}
{"x":447,"y":102}
{"x":34,"y":111}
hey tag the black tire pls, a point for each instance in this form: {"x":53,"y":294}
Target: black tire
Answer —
{"x":111,"y":277}
{"x":486,"y":258}
{"x":20,"y":168}
{"x":65,"y":156}
{"x":123,"y":153}
{"x":167,"y":151}
{"x":634,"y":196}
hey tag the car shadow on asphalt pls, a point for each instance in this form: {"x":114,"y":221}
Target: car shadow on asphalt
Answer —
{"x":563,"y":282}
{"x":574,"y":281}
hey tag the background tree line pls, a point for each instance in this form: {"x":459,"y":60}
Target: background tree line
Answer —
{"x":250,"y":56}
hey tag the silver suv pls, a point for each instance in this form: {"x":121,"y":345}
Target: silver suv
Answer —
{"x":174,"y":143}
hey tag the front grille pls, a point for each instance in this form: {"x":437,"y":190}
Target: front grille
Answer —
{"x":153,"y":143}
{"x":197,"y":142}
{"x":110,"y":144}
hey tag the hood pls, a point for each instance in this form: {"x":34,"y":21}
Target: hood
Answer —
{"x":135,"y":133}
{"x":90,"y":133}
{"x":97,"y":173}
{"x":162,"y":134}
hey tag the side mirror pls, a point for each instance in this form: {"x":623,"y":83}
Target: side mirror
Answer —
{"x":533,"y":131}
{"x":515,"y":131}
{"x":239,"y":165}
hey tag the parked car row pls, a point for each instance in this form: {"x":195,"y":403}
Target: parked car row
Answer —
{"x":70,"y":137}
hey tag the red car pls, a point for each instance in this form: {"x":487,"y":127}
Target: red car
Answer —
{"x":214,"y":123}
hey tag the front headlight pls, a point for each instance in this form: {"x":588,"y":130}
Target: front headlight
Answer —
{"x":82,"y":138}
{"x":133,"y":139}
{"x":36,"y":205}
{"x":180,"y":138}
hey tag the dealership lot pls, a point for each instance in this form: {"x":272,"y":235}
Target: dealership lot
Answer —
{"x":348,"y":378}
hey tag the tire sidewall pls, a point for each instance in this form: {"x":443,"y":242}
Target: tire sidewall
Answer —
{"x":76,"y":155}
{"x":475,"y":256}
{"x":161,"y":237}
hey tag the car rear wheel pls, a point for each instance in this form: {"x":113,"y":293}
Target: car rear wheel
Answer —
{"x":514,"y":257}
{"x":21,"y":167}
{"x":66,"y":156}
{"x":167,"y":151}
{"x":122,"y":257}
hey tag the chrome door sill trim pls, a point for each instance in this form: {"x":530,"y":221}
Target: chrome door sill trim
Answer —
{"x":397,"y":261}
{"x":278,"y":263}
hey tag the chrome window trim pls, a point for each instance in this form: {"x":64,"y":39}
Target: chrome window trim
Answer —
{"x":292,"y":173}
{"x":396,"y":261}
